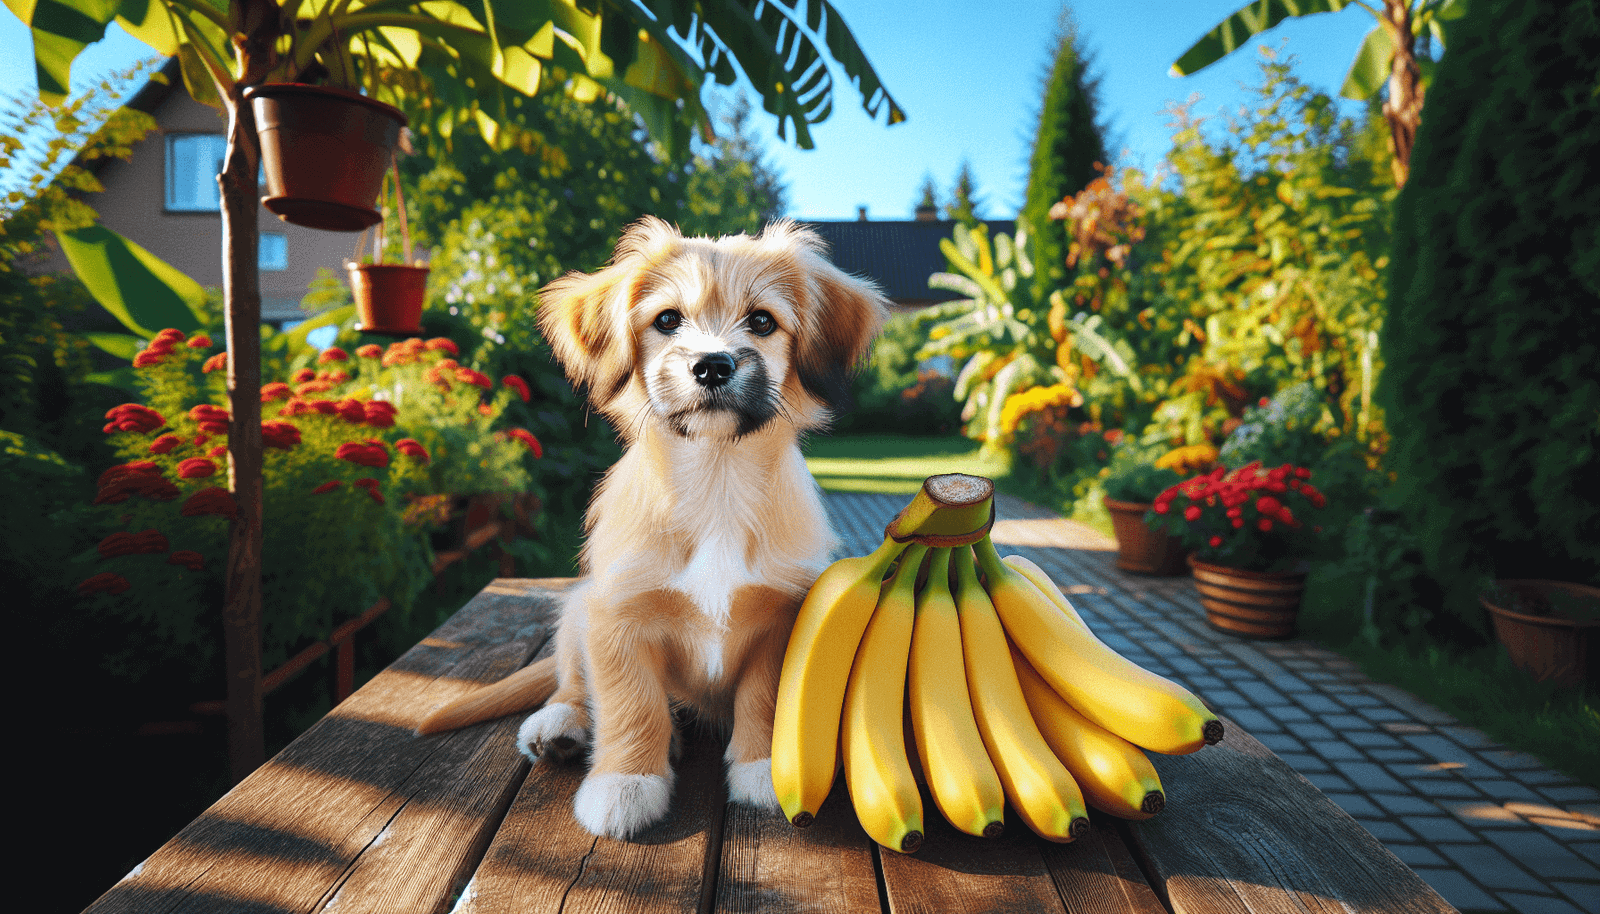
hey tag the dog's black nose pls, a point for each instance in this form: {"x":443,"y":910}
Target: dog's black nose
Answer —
{"x":714,"y":369}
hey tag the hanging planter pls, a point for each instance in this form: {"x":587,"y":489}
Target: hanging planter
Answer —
{"x":1141,"y":549}
{"x":1249,"y":604}
{"x":389,"y":296}
{"x":1548,"y":627}
{"x":323,"y":152}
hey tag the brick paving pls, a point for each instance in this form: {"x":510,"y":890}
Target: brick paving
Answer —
{"x":1491,"y":829}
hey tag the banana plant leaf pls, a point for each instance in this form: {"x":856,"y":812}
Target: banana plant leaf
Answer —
{"x":1246,"y":23}
{"x":141,"y":290}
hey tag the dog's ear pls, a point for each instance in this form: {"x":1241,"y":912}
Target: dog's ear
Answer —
{"x":843,"y":315}
{"x":586,"y":317}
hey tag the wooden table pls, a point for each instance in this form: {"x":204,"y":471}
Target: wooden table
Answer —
{"x":359,"y":815}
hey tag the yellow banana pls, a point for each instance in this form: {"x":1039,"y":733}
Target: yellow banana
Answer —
{"x":1039,"y":787}
{"x":1115,"y":776}
{"x":816,"y":669}
{"x":871,"y":733}
{"x":1145,"y":709}
{"x":950,"y":749}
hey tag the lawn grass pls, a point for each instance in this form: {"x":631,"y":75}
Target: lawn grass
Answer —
{"x":1481,"y":689}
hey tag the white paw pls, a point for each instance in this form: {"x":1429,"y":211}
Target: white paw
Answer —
{"x":552,"y":731}
{"x":750,"y":783}
{"x":621,"y":805}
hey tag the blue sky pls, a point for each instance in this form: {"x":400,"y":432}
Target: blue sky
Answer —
{"x":969,"y":76}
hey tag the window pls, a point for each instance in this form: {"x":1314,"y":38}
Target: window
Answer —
{"x":273,"y":254}
{"x":193,"y":162}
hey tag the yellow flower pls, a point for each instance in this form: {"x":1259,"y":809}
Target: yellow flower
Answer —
{"x":1036,"y":399}
{"x":1188,"y":461}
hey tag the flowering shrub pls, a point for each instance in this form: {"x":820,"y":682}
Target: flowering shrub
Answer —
{"x":346,"y":439}
{"x":1246,"y":518}
{"x":1039,"y":421}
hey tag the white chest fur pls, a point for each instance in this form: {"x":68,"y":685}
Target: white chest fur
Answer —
{"x":714,"y":573}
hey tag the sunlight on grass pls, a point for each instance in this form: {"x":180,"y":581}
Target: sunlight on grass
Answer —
{"x":893,"y":464}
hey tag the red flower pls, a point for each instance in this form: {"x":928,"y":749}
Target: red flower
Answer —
{"x":333,"y":377}
{"x":199,"y":341}
{"x":370,"y":351}
{"x":527,"y":438}
{"x":313,"y":387}
{"x":328,"y":486}
{"x":1161,"y":507}
{"x":187,"y":558}
{"x":443,"y":344}
{"x":150,"y":356}
{"x":302,"y":376}
{"x":281,"y":435}
{"x":218,"y":362}
{"x":485,"y":409}
{"x":213,"y":419}
{"x":210,"y":501}
{"x":124,"y":543}
{"x":196,"y":468}
{"x":380,"y":413}
{"x":1265,"y":524}
{"x":365,"y":482}
{"x":141,"y":477}
{"x":1215,"y":541}
{"x":106,"y":582}
{"x":478,"y":378}
{"x":170,"y":336}
{"x":352,"y":410}
{"x":333,"y":354}
{"x":277,"y":390}
{"x":325,"y":407}
{"x":217,"y":452}
{"x":376,"y":496}
{"x":518,"y":385}
{"x":165,"y":444}
{"x":1266,"y":504}
{"x":133,"y":417}
{"x":296,"y":407}
{"x":412,"y":448}
{"x":1191,"y":513}
{"x":367,"y":454}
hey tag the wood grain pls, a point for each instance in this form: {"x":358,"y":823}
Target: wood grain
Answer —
{"x":770,"y":867}
{"x":953,"y":871}
{"x":1244,"y":832}
{"x":357,"y":807}
{"x":1097,"y":873}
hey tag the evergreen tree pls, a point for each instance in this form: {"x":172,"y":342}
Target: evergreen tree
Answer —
{"x":1492,"y":343}
{"x":964,"y":203}
{"x":732,"y":187}
{"x":928,"y":196}
{"x":1066,"y":147}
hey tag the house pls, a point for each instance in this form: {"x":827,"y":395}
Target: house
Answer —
{"x":899,"y":254}
{"x":165,"y":199}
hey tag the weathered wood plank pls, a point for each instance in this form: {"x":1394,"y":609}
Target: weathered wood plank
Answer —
{"x":1097,"y":874}
{"x":771,"y":867}
{"x":313,"y":820}
{"x":1244,"y":832}
{"x":542,"y":859}
{"x":957,"y":872}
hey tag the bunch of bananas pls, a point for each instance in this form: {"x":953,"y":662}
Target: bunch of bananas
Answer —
{"x":1009,"y":696}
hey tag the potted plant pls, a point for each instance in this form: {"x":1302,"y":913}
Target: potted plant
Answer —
{"x":1131,"y":482}
{"x":1548,"y":627}
{"x":389,"y":296}
{"x":1250,"y":531}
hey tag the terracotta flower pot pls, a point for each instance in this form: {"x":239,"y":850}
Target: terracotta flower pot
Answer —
{"x":1139,"y":548}
{"x":1550,"y":647}
{"x":1250,"y":604}
{"x":324,"y":152}
{"x":388,"y":297}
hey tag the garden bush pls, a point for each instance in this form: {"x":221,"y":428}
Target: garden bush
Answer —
{"x":894,"y":393}
{"x":1493,"y":344}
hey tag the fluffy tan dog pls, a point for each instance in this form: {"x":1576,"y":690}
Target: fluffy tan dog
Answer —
{"x":710,"y":358}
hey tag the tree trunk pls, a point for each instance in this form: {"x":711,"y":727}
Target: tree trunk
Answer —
{"x":1403,"y":108}
{"x":241,"y":285}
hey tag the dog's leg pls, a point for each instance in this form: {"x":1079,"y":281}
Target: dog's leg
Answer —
{"x":629,"y":785}
{"x":749,"y":754}
{"x":560,"y":730}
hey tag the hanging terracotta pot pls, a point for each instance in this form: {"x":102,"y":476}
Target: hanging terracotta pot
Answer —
{"x":388,"y":297}
{"x":1139,"y":548}
{"x":1250,"y":604}
{"x":1539,"y":637}
{"x":324,"y":152}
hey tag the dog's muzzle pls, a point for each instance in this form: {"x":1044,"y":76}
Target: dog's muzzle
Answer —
{"x":713,"y":370}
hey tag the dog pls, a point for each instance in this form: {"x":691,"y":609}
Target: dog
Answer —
{"x":711,"y":359}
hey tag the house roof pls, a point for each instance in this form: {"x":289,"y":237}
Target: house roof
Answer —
{"x":899,"y":255}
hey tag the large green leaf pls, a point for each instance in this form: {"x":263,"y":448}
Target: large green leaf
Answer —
{"x":1372,"y":65}
{"x":122,"y":345}
{"x":141,"y":290}
{"x":1247,"y":22}
{"x":60,"y":31}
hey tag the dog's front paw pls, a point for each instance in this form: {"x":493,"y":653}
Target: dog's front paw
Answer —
{"x":750,"y":783}
{"x":621,"y":805}
{"x":555,"y":731}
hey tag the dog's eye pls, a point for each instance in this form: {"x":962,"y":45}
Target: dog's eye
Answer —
{"x":762,"y":324}
{"x":668,"y":321}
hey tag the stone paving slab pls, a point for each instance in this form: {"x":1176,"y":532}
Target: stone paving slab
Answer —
{"x":1492,"y":830}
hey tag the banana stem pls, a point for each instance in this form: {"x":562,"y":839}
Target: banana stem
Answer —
{"x":989,"y":560}
{"x":952,"y":509}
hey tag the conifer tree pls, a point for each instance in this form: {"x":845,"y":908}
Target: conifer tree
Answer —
{"x":1066,"y":147}
{"x":927,"y":196}
{"x":964,"y":203}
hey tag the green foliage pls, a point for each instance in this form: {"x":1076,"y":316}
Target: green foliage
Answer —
{"x":729,"y":186}
{"x":1132,"y":474}
{"x":893,"y":394}
{"x":1492,"y":387}
{"x":964,"y":205}
{"x":1067,"y":148}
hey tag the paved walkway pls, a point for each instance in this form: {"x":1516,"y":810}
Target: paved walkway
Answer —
{"x":1490,"y":829}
